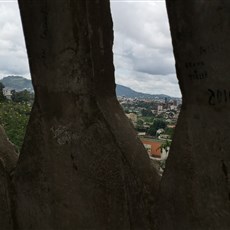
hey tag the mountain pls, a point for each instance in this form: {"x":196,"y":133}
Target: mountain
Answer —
{"x":17,"y":83}
{"x":128,"y":92}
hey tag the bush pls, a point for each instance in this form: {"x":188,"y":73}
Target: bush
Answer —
{"x":14,"y":118}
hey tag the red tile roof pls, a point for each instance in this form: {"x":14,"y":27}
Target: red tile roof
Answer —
{"x":153,"y":147}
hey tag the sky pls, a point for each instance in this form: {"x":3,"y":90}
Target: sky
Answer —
{"x":143,"y":56}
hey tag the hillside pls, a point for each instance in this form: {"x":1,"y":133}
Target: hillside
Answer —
{"x":17,"y":83}
{"x":128,"y":92}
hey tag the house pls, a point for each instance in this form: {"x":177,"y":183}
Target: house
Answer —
{"x":152,"y":146}
{"x":7,"y":93}
{"x":164,"y":137}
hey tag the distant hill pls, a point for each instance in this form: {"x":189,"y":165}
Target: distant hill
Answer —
{"x":17,"y":83}
{"x":128,"y":92}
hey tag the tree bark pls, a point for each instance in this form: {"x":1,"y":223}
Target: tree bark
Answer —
{"x":195,"y":189}
{"x":8,"y":159}
{"x":82,"y":165}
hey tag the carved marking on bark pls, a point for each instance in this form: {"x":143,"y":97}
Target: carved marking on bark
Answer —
{"x":218,"y":96}
{"x":62,"y":135}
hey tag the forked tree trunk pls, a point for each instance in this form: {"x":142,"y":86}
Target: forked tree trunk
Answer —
{"x":81,"y":166}
{"x":195,"y":189}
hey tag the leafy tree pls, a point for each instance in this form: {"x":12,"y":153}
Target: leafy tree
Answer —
{"x":148,"y":119}
{"x":2,"y":97}
{"x":146,"y":113}
{"x":158,"y":124}
{"x":140,"y":124}
{"x":169,"y":131}
{"x":22,"y":96}
{"x":152,"y":131}
{"x":166,"y":146}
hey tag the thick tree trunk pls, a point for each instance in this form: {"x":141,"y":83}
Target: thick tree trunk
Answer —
{"x":8,"y":159}
{"x":195,"y":189}
{"x":81,"y":166}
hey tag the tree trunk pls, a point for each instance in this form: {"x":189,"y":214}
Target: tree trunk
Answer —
{"x":81,"y":166}
{"x":195,"y":189}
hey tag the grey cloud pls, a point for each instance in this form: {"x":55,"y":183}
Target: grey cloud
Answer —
{"x":13,"y":57}
{"x":153,"y":84}
{"x":143,"y":49}
{"x":154,"y":66}
{"x":145,"y":22}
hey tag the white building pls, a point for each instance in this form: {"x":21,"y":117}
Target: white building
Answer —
{"x":7,"y":93}
{"x":173,"y":107}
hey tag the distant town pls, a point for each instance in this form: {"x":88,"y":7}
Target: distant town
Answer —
{"x":154,"y":121}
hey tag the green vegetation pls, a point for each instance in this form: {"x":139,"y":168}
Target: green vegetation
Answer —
{"x":140,"y":125}
{"x":148,"y":120}
{"x":157,"y":124}
{"x":146,"y":113}
{"x":2,"y":97}
{"x":169,"y":131}
{"x":14,"y":116}
{"x":165,"y":146}
{"x":22,"y":96}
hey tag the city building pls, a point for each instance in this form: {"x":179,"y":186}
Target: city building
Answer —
{"x":159,"y":109}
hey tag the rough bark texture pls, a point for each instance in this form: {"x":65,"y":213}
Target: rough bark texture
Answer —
{"x":8,"y":159}
{"x":8,"y":154}
{"x":81,"y":166}
{"x":195,"y":190}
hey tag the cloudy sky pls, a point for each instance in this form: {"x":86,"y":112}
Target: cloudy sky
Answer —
{"x":142,"y":47}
